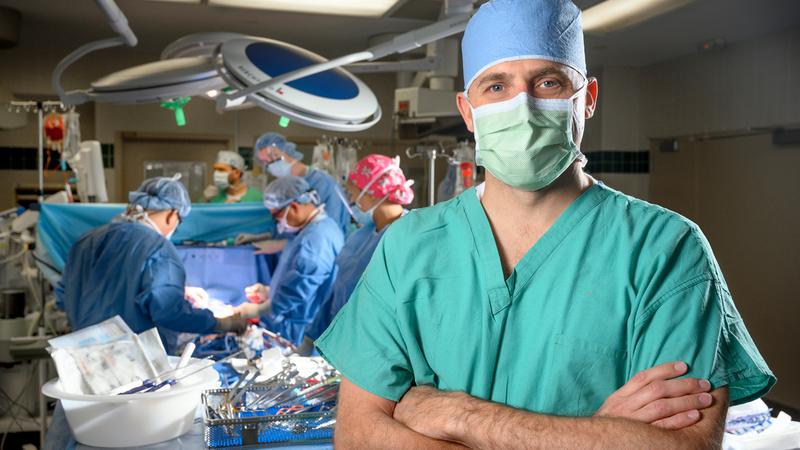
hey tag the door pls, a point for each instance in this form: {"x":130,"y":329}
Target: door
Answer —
{"x":137,"y":149}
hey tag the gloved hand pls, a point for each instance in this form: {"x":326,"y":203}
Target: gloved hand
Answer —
{"x":246,"y":238}
{"x":198,"y":297}
{"x":257,"y":293}
{"x":210,"y":192}
{"x":252,"y":310}
{"x":269,"y":247}
{"x":235,"y":323}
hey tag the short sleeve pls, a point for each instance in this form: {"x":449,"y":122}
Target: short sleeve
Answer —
{"x":364,"y":341}
{"x":697,"y":322}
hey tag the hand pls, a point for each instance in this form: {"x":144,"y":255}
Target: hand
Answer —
{"x":210,"y":192}
{"x":235,"y":323}
{"x":431,"y":412}
{"x":252,"y":310}
{"x":257,"y":293}
{"x":654,"y":396}
{"x":269,"y":247}
{"x":198,"y":297}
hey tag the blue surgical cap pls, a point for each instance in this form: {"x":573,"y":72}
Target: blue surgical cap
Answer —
{"x":510,"y":30}
{"x":285,"y":190}
{"x":162,"y":193}
{"x":273,"y":139}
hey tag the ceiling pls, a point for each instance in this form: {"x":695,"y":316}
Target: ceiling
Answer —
{"x":156,"y":24}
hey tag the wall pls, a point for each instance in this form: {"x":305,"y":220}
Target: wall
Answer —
{"x":616,"y":128}
{"x":746,"y":86}
{"x":729,"y":178}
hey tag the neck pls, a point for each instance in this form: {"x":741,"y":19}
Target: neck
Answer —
{"x":299,"y":169}
{"x":519,"y":218}
{"x":385,"y":214}
{"x":237,"y":188}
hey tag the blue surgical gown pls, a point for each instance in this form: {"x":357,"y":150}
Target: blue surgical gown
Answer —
{"x":350,"y":264}
{"x":127,"y":269}
{"x":303,"y":278}
{"x":124,"y":269}
{"x":332,"y":195}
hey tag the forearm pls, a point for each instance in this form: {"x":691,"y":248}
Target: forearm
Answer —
{"x":486,"y":425}
{"x":380,"y":431}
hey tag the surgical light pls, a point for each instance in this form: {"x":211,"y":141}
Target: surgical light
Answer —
{"x":613,"y":15}
{"x":212,"y":93}
{"x":365,"y":8}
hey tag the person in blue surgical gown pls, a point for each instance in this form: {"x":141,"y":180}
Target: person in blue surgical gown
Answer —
{"x":281,"y":158}
{"x":378,"y":190}
{"x":131,"y":269}
{"x":306,"y":270}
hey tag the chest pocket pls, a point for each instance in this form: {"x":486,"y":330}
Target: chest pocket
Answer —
{"x":590,"y":372}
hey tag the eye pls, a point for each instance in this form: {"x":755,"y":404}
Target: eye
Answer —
{"x":495,"y":88}
{"x":549,"y":84}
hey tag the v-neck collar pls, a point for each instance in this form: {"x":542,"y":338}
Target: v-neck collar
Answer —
{"x":500,"y":296}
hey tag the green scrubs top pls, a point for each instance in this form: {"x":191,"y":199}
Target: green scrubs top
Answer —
{"x":250,"y":196}
{"x":615,"y":286}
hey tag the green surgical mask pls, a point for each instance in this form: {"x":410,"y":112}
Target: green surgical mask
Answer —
{"x":526,"y":142}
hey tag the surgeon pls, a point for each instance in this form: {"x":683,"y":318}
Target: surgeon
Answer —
{"x":131,"y":269}
{"x":305,"y":270}
{"x":281,"y":159}
{"x":378,"y":190}
{"x":229,"y":186}
{"x":544,"y":309}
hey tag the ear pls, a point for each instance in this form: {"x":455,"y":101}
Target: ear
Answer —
{"x":465,"y":110}
{"x":592,"y":90}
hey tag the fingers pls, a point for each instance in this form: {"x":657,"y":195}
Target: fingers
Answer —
{"x":670,"y":408}
{"x":661,"y":372}
{"x":664,"y":389}
{"x":679,"y":421}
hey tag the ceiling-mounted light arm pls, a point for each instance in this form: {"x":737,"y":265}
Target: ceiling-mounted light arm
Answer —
{"x":399,"y":44}
{"x":118,"y":21}
{"x":119,"y":24}
{"x":408,"y":65}
{"x":421,"y":36}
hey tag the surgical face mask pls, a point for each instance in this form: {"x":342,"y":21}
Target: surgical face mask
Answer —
{"x":284,"y":227}
{"x":362,"y":217}
{"x":280,"y":168}
{"x":221,"y":179}
{"x":526,"y":142}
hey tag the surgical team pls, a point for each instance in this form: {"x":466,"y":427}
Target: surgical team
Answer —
{"x":541,"y":306}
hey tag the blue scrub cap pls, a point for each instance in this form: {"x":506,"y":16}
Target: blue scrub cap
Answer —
{"x":273,"y":139}
{"x":162,"y":193}
{"x":509,"y":30}
{"x":285,"y":190}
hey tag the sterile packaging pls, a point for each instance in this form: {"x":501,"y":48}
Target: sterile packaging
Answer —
{"x":105,"y":356}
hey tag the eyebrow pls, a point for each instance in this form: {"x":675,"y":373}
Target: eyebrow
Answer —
{"x":504,"y":76}
{"x":493,"y":77}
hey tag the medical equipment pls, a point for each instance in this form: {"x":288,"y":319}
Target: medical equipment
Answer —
{"x":461,"y":172}
{"x":100,"y":358}
{"x":193,"y":174}
{"x":136,"y":419}
{"x":289,"y":81}
{"x":282,"y":409}
{"x":88,"y":168}
{"x":324,"y":155}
